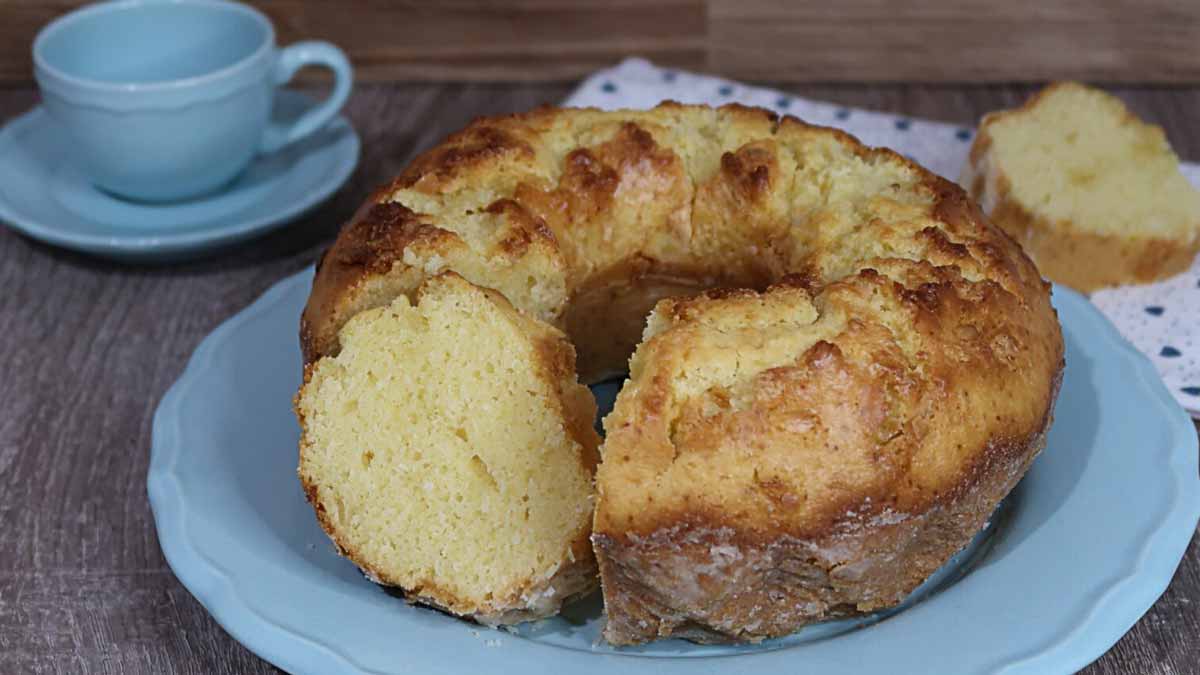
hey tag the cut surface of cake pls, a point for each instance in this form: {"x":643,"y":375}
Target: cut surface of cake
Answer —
{"x":1093,"y":194}
{"x":449,"y":451}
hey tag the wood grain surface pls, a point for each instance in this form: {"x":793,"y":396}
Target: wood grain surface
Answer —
{"x":88,"y":347}
{"x":785,"y":40}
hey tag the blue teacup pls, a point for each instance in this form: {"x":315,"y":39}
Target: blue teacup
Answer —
{"x":170,"y":99}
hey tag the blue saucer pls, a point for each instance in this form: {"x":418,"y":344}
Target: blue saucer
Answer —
{"x":45,"y":196}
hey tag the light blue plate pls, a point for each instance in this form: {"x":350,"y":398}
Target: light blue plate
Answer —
{"x":45,"y":196}
{"x":1080,"y":550}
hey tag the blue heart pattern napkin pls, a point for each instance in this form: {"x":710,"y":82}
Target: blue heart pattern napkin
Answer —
{"x":1162,"y":320}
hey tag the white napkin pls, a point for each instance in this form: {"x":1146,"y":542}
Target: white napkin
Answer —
{"x":1162,"y":320}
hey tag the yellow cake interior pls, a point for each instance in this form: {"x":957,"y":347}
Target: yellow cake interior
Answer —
{"x":436,"y":443}
{"x":1078,"y":155}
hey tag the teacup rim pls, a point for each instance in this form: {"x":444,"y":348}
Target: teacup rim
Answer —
{"x":101,"y":86}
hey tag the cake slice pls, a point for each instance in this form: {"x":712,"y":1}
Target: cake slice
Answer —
{"x":1091,"y":192}
{"x":448,"y":450}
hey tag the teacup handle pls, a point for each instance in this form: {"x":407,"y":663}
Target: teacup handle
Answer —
{"x":291,"y":59}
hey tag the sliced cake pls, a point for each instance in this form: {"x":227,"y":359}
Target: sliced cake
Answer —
{"x":1092,"y":193}
{"x":449,"y":450}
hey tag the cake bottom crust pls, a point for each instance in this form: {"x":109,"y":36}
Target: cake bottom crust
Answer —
{"x":572,"y":580}
{"x":1085,"y":261}
{"x":1089,"y":261}
{"x":708,"y":585}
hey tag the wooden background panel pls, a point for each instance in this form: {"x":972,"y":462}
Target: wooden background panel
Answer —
{"x":484,"y":40}
{"x":456,"y":40}
{"x":1149,"y":41}
{"x":965,"y":40}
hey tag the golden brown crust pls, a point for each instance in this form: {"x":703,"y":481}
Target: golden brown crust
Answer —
{"x":1064,"y":252}
{"x":902,"y":312}
{"x":479,"y":144}
{"x":374,"y":239}
{"x":714,"y":585}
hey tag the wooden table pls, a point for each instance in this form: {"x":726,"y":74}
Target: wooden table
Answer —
{"x":88,"y":347}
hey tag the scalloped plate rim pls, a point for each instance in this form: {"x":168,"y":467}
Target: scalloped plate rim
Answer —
{"x":1126,"y":600}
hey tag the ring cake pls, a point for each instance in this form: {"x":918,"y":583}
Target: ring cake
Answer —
{"x":838,"y":369}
